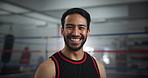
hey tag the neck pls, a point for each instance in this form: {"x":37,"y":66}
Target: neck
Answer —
{"x":74,"y":55}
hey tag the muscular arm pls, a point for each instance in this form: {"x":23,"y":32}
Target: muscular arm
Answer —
{"x":101,"y":69}
{"x":46,"y":70}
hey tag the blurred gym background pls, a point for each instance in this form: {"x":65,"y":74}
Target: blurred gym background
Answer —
{"x":30,"y":33}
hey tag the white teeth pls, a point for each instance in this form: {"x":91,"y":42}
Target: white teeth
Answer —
{"x":75,"y":39}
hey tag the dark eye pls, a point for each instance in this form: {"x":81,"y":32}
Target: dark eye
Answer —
{"x":69,"y":27}
{"x":82,"y":28}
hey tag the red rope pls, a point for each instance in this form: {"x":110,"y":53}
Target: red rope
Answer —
{"x":123,"y":51}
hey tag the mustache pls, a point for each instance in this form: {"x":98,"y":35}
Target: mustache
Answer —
{"x":75,"y":36}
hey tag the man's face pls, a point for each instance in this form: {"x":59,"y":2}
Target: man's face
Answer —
{"x":75,"y":31}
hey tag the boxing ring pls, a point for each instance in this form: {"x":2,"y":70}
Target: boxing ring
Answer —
{"x":122,"y":54}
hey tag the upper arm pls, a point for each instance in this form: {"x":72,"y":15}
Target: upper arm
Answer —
{"x":46,"y":70}
{"x":101,"y":69}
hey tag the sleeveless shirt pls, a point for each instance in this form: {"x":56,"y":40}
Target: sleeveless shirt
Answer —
{"x":68,"y":68}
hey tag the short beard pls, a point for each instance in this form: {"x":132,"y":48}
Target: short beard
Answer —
{"x":72,"y":48}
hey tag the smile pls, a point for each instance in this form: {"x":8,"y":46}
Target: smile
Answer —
{"x":75,"y":40}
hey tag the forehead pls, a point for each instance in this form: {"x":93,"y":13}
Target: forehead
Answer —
{"x":75,"y":18}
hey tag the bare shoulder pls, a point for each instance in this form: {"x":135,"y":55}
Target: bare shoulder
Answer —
{"x":101,"y":69}
{"x":46,"y":70}
{"x":99,"y":63}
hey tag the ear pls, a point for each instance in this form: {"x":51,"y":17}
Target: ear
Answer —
{"x":88,"y":32}
{"x":62,"y":31}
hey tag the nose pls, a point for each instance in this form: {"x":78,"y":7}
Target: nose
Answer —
{"x":76,"y":32}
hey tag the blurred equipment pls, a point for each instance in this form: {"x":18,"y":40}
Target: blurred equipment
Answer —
{"x":7,"y":51}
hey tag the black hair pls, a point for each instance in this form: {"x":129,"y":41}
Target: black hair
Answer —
{"x":80,"y":11}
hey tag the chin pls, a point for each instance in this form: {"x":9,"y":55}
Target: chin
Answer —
{"x":75,"y":48}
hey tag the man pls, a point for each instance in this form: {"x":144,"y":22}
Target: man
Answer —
{"x":72,"y":61}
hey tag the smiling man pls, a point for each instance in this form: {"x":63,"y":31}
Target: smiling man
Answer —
{"x":75,"y":32}
{"x":72,"y":61}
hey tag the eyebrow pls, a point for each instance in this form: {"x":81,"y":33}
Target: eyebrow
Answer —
{"x":70,"y":24}
{"x":82,"y":25}
{"x":78,"y":25}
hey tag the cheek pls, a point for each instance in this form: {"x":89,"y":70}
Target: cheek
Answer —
{"x":85,"y":34}
{"x":65,"y":33}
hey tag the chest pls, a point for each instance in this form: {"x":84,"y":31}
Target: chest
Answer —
{"x":84,"y":70}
